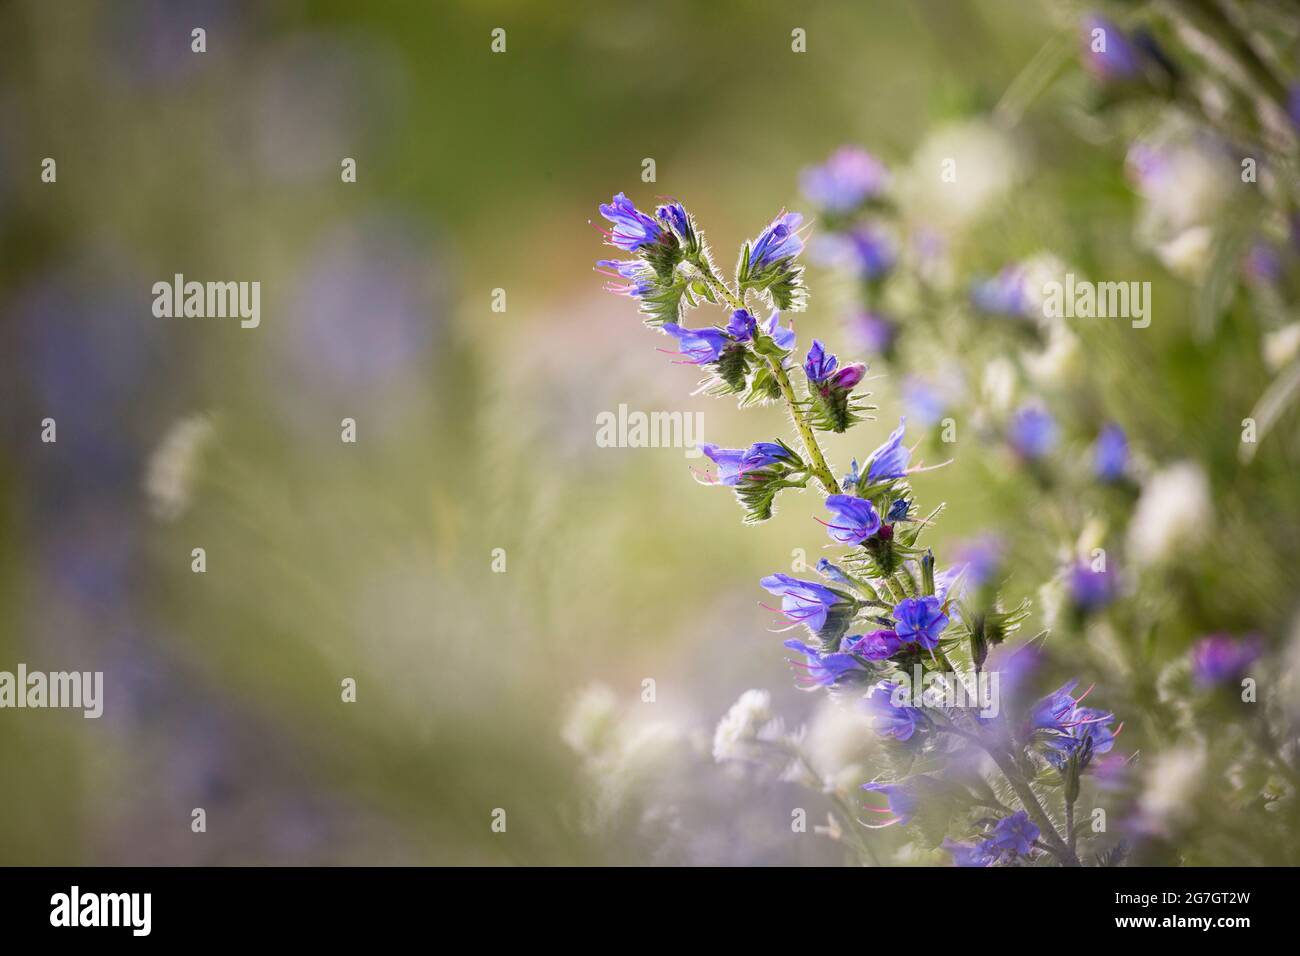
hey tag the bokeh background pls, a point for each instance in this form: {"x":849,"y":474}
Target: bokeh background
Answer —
{"x":477,"y":429}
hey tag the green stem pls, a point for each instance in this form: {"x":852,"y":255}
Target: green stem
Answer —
{"x":817,"y":461}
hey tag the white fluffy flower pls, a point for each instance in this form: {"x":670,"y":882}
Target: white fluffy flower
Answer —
{"x":1281,"y":346}
{"x":1174,"y":511}
{"x":591,"y":719}
{"x":169,"y":476}
{"x":1170,"y":788}
{"x":958,"y":172}
{"x":749,"y":719}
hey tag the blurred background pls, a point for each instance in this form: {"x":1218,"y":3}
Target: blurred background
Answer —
{"x":485,"y":679}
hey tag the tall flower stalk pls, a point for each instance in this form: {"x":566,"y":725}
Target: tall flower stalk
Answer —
{"x":892,"y":635}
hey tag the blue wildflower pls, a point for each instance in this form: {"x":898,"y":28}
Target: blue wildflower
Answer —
{"x":776,"y":244}
{"x":823,"y":670}
{"x":1014,"y":835}
{"x":819,"y":364}
{"x":1220,"y":658}
{"x":971,"y":854}
{"x":877,"y":646}
{"x":901,"y":804}
{"x":1090,"y":590}
{"x":1032,"y":432}
{"x":848,"y":178}
{"x":1067,"y":725}
{"x":920,"y":620}
{"x":784,"y":338}
{"x":819,"y":608}
{"x":1006,"y":293}
{"x":890,"y":459}
{"x":632,"y":228}
{"x":638,"y":279}
{"x":1110,"y":455}
{"x":1118,"y":60}
{"x":855,"y":521}
{"x":735,"y":463}
{"x":889,"y":719}
{"x":873,"y":253}
{"x":699,"y":346}
{"x":873,"y":332}
{"x":742,"y":326}
{"x":898,"y":511}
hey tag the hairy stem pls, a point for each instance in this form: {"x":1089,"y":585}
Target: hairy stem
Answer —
{"x":817,"y":461}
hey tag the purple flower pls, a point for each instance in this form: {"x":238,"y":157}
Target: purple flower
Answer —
{"x":832,"y":572}
{"x":1090,"y":590}
{"x":784,"y":338}
{"x":855,"y":521}
{"x":980,"y":557}
{"x":819,"y":364}
{"x":888,"y":720}
{"x":971,"y":854}
{"x":873,"y":253}
{"x":822,"y":670}
{"x":779,"y":242}
{"x":1006,"y":293}
{"x":735,"y":463}
{"x":806,"y":602}
{"x":847,"y":179}
{"x":1220,"y":658}
{"x":699,"y":346}
{"x":920,"y":620}
{"x":890,"y":459}
{"x":1032,"y":432}
{"x":1117,"y":60}
{"x":924,"y":403}
{"x":638,"y":278}
{"x":901,"y":804}
{"x":847,"y":377}
{"x":1110,"y":454}
{"x":873,"y":332}
{"x":674,"y":213}
{"x":1014,"y":835}
{"x":1069,"y":726}
{"x":742,"y":326}
{"x":632,"y":228}
{"x":876,"y":646}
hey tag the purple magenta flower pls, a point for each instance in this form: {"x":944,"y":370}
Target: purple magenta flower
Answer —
{"x":855,"y":521}
{"x":699,"y":346}
{"x":822,"y":670}
{"x":1220,"y":658}
{"x":1110,"y":455}
{"x":780,"y":241}
{"x":1032,"y":432}
{"x":784,"y":338}
{"x":805,"y":602}
{"x":901,"y":804}
{"x":632,"y":228}
{"x":888,"y":720}
{"x":735,"y":463}
{"x":890,"y":459}
{"x":876,"y":646}
{"x":845,"y":181}
{"x":819,"y":364}
{"x":1090,"y":590}
{"x":847,"y":377}
{"x":1118,"y":59}
{"x":1014,"y":835}
{"x":920,"y":620}
{"x":742,"y":326}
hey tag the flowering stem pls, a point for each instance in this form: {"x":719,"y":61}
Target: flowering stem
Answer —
{"x":1035,"y":809}
{"x":818,"y":467}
